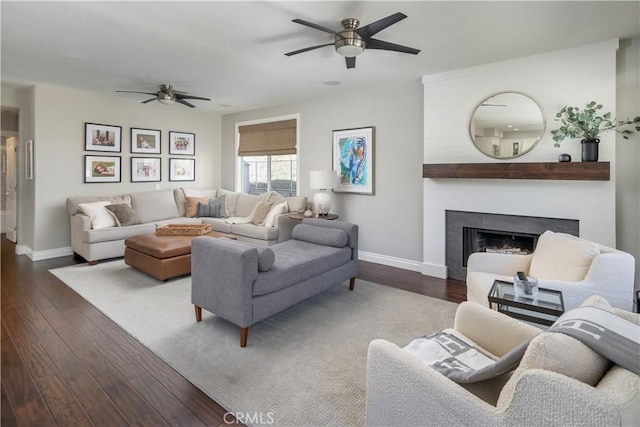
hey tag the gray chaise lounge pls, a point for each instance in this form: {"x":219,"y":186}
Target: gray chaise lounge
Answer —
{"x":245,"y":284}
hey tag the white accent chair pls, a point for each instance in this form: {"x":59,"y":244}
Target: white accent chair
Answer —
{"x":559,"y":381}
{"x":577,"y":267}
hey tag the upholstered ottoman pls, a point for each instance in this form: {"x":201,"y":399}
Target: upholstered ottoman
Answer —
{"x":162,"y":257}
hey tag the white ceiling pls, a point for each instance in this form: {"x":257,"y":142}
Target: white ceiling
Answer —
{"x":233,"y":51}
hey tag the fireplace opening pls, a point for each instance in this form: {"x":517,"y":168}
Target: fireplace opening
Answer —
{"x":496,"y":241}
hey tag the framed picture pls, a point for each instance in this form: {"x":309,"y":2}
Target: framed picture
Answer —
{"x":145,"y":169}
{"x":146,"y":141}
{"x":182,"y":169}
{"x":353,"y":158}
{"x":28,"y":159}
{"x":102,"y":168}
{"x":182,"y":143}
{"x":102,"y":137}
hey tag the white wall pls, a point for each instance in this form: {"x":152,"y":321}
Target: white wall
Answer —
{"x":628,"y":152}
{"x":573,"y":76}
{"x":59,"y":115}
{"x":391,"y":220}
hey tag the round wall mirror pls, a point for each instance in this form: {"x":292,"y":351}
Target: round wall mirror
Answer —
{"x":507,"y":125}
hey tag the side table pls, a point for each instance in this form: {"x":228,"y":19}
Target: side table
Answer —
{"x":543,"y":310}
{"x":300,"y":216}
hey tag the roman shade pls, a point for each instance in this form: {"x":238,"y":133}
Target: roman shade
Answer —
{"x":271,"y":138}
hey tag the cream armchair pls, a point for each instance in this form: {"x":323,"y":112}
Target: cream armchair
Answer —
{"x":559,"y":381}
{"x":576,"y":267}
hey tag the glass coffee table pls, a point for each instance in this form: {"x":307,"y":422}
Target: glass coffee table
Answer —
{"x":544,"y":309}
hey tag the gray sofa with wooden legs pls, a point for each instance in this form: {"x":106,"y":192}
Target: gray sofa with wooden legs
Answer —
{"x":245,"y":284}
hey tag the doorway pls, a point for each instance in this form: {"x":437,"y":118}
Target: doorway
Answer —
{"x":9,"y":173}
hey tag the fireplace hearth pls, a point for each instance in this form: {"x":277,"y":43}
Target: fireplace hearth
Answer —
{"x":469,"y":232}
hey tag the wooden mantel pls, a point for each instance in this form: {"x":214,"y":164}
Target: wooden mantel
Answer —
{"x":576,"y":171}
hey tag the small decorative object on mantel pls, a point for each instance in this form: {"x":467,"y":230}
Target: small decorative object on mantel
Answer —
{"x":587,"y":124}
{"x":564,"y":157}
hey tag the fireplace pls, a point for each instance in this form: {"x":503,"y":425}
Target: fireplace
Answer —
{"x":469,"y":232}
{"x":496,"y":241}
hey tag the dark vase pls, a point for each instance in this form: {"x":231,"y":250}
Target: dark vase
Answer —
{"x":590,"y":150}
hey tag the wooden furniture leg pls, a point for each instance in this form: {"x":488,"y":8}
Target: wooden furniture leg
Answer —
{"x":244,"y":332}
{"x":93,"y":262}
{"x":198,"y":313}
{"x":352,"y":283}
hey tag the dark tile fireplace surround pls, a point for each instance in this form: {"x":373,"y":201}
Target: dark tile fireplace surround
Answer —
{"x":469,"y":232}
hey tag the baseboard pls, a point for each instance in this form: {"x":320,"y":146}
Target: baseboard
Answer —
{"x":404,"y":264}
{"x":23,"y":250}
{"x":50,"y":253}
{"x":434,"y":270}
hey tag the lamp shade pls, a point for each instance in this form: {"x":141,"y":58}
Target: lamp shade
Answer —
{"x":322,"y":180}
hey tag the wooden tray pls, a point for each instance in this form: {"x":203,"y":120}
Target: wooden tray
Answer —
{"x":183,"y":230}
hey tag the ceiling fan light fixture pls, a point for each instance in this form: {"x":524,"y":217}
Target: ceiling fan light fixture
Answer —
{"x":349,"y":44}
{"x":166,"y":99}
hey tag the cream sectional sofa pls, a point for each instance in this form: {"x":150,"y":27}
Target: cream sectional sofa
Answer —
{"x":161,"y":207}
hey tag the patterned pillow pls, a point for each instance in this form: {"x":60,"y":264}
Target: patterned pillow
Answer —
{"x":124,"y":215}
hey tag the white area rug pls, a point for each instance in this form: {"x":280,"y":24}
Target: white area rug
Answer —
{"x":305,"y":366}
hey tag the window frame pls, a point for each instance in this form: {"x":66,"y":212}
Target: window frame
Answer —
{"x":238,"y":159}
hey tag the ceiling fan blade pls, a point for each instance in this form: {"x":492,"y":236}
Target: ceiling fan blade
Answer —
{"x":149,"y":100}
{"x":179,"y":96}
{"x":351,"y":61}
{"x":375,"y":27}
{"x":133,"y":91}
{"x":382,"y":45}
{"x":493,"y":105}
{"x":312,"y":25}
{"x":183,"y":102}
{"x":306,"y":49}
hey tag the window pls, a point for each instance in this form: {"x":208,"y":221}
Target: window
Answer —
{"x":267,"y":157}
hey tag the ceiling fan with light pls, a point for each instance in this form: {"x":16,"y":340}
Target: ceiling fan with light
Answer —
{"x":168,"y":95}
{"x":353,"y":39}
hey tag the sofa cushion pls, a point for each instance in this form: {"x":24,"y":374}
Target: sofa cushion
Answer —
{"x":266,"y":258}
{"x":217,"y":224}
{"x":245,"y":204}
{"x":254,"y":231}
{"x":560,"y":256}
{"x":100,"y":216}
{"x":279,"y":209}
{"x":155,"y":205}
{"x":260,"y":213}
{"x":296,"y":203}
{"x":192,"y":206}
{"x":230,"y":202}
{"x":73,"y":202}
{"x":124,"y":215}
{"x":319,"y":235}
{"x":115,"y":233}
{"x":296,"y":261}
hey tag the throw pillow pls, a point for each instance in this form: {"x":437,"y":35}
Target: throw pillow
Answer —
{"x":320,"y":235}
{"x":266,"y":258}
{"x":260,"y":213}
{"x":192,"y":205}
{"x":560,"y":256}
{"x":124,"y":215}
{"x":278,"y":209}
{"x":219,"y":206}
{"x":205,"y":210}
{"x":100,"y":216}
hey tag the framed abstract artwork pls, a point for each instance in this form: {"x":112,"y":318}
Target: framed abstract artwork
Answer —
{"x":145,"y":141}
{"x":102,"y":169}
{"x":145,"y":169}
{"x":182,"y":169}
{"x":353,"y":159}
{"x":182,"y":143}
{"x":102,"y":137}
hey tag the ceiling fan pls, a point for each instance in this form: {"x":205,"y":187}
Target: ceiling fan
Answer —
{"x":353,"y":39}
{"x":168,"y":95}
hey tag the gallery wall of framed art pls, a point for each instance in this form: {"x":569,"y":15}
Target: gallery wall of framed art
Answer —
{"x":143,"y":141}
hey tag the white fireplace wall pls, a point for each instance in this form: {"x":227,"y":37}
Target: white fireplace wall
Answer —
{"x":555,"y":79}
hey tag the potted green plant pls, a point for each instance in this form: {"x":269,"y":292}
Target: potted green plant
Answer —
{"x":588,"y":124}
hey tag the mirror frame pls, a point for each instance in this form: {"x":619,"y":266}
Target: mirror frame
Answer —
{"x":522,"y":153}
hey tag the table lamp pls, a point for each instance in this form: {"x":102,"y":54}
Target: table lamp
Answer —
{"x":323,"y":181}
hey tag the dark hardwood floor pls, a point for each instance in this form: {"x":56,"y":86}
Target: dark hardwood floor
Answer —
{"x":65,"y":363}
